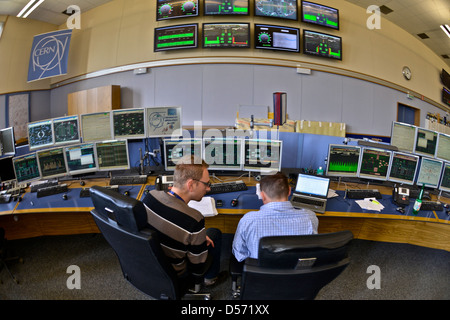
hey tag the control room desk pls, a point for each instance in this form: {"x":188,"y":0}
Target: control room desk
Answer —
{"x":52,"y":215}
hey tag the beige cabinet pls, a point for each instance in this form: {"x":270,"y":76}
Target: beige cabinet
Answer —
{"x":94,"y":100}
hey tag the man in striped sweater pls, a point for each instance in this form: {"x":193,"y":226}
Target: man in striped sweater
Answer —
{"x":184,"y":239}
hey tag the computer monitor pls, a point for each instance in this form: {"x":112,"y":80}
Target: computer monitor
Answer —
{"x":443,"y":147}
{"x":322,"y":45}
{"x":112,"y":155}
{"x":96,"y":126}
{"x":312,"y":185}
{"x":174,"y":150}
{"x":227,"y":7}
{"x":40,"y":134}
{"x":445,"y":180}
{"x":171,"y":9}
{"x":7,"y":169}
{"x":223,"y":153}
{"x":128,"y":123}
{"x":26,"y":168}
{"x":429,"y":172}
{"x":403,"y":168}
{"x":426,"y":142}
{"x":176,"y":37}
{"x":343,"y":160}
{"x":163,"y":121}
{"x":226,"y":35}
{"x":262,"y":155}
{"x":7,"y":142}
{"x":403,"y":136}
{"x":374,"y":163}
{"x":277,"y":38}
{"x":320,"y":15}
{"x":66,"y":130}
{"x":283,"y":9}
{"x":81,"y":158}
{"x":52,"y":162}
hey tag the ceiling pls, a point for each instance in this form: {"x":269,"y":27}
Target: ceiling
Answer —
{"x":414,"y":16}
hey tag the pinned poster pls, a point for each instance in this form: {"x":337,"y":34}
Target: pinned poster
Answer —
{"x":49,"y":55}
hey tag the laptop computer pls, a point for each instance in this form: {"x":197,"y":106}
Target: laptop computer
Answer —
{"x":311,"y":193}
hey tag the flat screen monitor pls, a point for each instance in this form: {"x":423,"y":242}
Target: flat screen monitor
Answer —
{"x":262,"y":155}
{"x":226,"y":35}
{"x":226,"y":7}
{"x":96,"y":126}
{"x":374,"y":163}
{"x":128,"y":123}
{"x":26,"y":168}
{"x":171,"y":9}
{"x":320,"y":15}
{"x":176,"y":37}
{"x":7,"y":169}
{"x":403,"y":136}
{"x":445,"y":180}
{"x":66,"y":130}
{"x":40,"y":134}
{"x":163,"y":121}
{"x":429,"y":172}
{"x":343,"y":160}
{"x":446,"y":96}
{"x":312,"y":185}
{"x":322,"y":45}
{"x":443,"y":147}
{"x":403,"y":168}
{"x":426,"y":142}
{"x":52,"y":162}
{"x":223,"y":153}
{"x":277,"y":38}
{"x":283,"y":9}
{"x":112,"y":155}
{"x":445,"y":77}
{"x":174,"y":150}
{"x":81,"y":158}
{"x":7,"y":142}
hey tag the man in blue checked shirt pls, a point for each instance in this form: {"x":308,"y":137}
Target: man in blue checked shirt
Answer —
{"x":277,"y":217}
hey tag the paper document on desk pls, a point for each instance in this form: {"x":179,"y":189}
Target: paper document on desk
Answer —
{"x":332,"y":193}
{"x":370,"y":204}
{"x":207,"y":206}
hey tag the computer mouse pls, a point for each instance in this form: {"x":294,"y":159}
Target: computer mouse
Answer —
{"x":64,"y":196}
{"x":234,"y":202}
{"x":82,"y":183}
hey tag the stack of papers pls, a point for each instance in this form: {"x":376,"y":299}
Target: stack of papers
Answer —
{"x":370,"y":204}
{"x":206,"y":206}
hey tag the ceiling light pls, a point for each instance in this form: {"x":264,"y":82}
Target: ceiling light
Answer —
{"x":24,"y":13}
{"x":446,"y":29}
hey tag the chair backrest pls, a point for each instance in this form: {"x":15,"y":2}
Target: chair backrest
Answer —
{"x":295,"y":267}
{"x":123,"y":222}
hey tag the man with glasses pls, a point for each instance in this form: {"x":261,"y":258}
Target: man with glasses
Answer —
{"x":185,"y":241}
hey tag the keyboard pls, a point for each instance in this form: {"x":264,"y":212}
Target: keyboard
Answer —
{"x":35,"y":187}
{"x":49,"y":191}
{"x":85,"y":193}
{"x":224,"y":187}
{"x":125,"y":180}
{"x":362,"y":193}
{"x":307,"y":201}
{"x":431,"y":206}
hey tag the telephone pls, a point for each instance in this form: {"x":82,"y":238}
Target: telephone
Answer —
{"x":164,"y":183}
{"x":401,"y":196}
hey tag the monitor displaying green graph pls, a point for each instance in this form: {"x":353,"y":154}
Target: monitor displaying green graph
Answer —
{"x":226,"y":7}
{"x":343,"y":160}
{"x":226,"y":35}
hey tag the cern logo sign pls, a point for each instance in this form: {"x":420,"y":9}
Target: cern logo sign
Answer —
{"x":49,"y":55}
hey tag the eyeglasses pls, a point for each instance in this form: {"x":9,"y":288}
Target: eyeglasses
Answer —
{"x":207,"y":184}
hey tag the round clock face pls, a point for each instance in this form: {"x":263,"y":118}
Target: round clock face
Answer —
{"x":407,"y":73}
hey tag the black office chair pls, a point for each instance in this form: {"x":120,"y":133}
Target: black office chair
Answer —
{"x":123,"y":222}
{"x":291,"y":267}
{"x":4,"y":256}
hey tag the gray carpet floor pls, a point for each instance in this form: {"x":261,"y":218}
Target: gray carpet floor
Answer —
{"x":407,"y":272}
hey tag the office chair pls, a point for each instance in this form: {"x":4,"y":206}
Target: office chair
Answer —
{"x":291,"y":267}
{"x":4,"y":256}
{"x":123,"y":222}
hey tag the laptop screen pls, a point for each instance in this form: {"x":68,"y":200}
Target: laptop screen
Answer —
{"x":312,"y":185}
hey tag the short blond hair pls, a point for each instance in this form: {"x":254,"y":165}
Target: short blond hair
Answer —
{"x":188,"y":167}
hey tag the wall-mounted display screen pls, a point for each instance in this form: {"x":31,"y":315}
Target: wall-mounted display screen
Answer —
{"x":176,"y":37}
{"x":319,"y":14}
{"x":277,"y":38}
{"x":226,"y":7}
{"x":322,"y":45}
{"x":170,"y":9}
{"x":226,"y":35}
{"x":284,"y":9}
